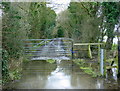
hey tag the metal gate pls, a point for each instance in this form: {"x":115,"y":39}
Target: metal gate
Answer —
{"x":43,"y":49}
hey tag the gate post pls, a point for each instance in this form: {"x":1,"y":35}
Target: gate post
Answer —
{"x":102,"y":61}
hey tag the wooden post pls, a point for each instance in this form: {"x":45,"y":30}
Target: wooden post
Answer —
{"x":89,"y":51}
{"x":98,"y":53}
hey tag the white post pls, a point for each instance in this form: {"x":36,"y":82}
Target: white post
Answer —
{"x":101,"y":61}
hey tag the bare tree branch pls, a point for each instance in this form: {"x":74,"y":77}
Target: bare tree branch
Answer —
{"x":86,"y":9}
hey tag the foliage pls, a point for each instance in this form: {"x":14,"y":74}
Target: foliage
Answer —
{"x":42,"y":20}
{"x":79,"y":23}
{"x":12,"y":31}
{"x":5,"y":71}
{"x":25,"y":20}
{"x":22,"y":21}
{"x":111,"y":13}
{"x":91,"y":70}
{"x":60,"y":32}
{"x":82,"y":21}
{"x":114,"y":47}
{"x":90,"y":21}
{"x":15,"y":75}
{"x":50,"y":61}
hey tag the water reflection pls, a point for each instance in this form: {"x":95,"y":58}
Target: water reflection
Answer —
{"x":43,"y":75}
{"x":58,"y":81}
{"x":100,"y":84}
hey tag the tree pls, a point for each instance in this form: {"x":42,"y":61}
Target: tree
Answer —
{"x":60,"y":32}
{"x":15,"y":27}
{"x":42,"y":20}
{"x":111,"y":12}
{"x":21,"y":20}
{"x":80,"y":22}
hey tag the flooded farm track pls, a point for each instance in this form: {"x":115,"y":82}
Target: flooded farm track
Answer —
{"x":60,"y":75}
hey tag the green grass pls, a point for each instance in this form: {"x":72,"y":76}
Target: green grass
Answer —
{"x":114,"y":47}
{"x":91,"y":70}
{"x":50,"y":61}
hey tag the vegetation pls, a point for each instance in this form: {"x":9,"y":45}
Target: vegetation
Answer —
{"x":89,"y":68}
{"x":111,"y":14}
{"x":42,"y":20}
{"x":50,"y":61}
{"x":90,"y":21}
{"x":22,"y":21}
{"x":82,"y":21}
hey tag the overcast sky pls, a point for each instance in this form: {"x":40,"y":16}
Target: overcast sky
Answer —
{"x":59,"y":5}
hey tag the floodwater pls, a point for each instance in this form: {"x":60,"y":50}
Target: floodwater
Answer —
{"x":60,"y":75}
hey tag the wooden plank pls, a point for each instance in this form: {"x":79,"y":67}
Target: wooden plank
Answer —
{"x":88,"y":44}
{"x":109,"y":67}
{"x":99,"y":53}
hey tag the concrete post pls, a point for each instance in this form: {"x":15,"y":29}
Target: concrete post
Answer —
{"x":102,"y":61}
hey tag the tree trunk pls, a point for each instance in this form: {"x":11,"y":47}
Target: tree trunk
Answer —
{"x":109,"y":43}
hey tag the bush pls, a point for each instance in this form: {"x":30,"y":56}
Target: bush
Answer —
{"x":5,"y":71}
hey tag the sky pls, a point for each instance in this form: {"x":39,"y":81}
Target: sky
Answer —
{"x":59,"y":5}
